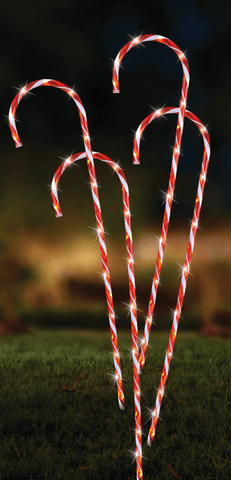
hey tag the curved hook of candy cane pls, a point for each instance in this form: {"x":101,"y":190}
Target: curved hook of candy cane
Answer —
{"x":184,"y":89}
{"x":95,"y":195}
{"x":165,"y":224}
{"x":131,"y":276}
{"x":185,"y":270}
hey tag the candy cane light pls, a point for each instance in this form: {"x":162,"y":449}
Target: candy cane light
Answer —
{"x":185,"y":269}
{"x":131,"y":276}
{"x":175,"y":158}
{"x":95,"y":195}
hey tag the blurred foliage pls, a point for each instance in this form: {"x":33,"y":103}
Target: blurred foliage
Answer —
{"x":75,"y":42}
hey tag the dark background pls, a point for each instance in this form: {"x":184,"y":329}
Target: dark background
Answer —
{"x":76,"y":42}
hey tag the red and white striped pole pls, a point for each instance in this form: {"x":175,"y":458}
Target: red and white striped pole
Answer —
{"x":186,"y":268}
{"x":131,"y":276}
{"x":95,"y":195}
{"x":175,"y":158}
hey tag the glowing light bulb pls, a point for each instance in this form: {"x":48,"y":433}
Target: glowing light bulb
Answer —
{"x":181,"y":56}
{"x":136,"y":40}
{"x":68,"y":161}
{"x":158,"y":112}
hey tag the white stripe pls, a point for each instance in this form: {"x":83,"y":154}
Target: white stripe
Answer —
{"x":166,"y":364}
{"x":157,"y":406}
{"x":207,"y":147}
{"x":95,"y":199}
{"x":192,"y":239}
{"x":140,"y":450}
{"x":89,"y":154}
{"x":199,"y":193}
{"x":146,"y":332}
{"x":54,"y":189}
{"x":183,"y":282}
{"x":138,"y":136}
{"x":41,"y":82}
{"x":186,"y":73}
{"x":83,"y":155}
{"x":125,"y":185}
{"x":175,"y":324}
{"x":128,"y":230}
{"x":137,"y":365}
{"x":174,"y":165}
{"x":131,"y":276}
{"x":174,"y":110}
{"x":180,"y":120}
{"x":134,"y":321}
{"x":11,"y":119}
{"x":108,"y":286}
{"x":113,"y":327}
{"x":80,"y":107}
{"x":153,"y":292}
{"x":102,"y":244}
{"x":167,"y":209}
{"x":154,"y":37}
{"x":137,"y":403}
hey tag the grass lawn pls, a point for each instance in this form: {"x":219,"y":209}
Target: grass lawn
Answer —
{"x":60,"y":419}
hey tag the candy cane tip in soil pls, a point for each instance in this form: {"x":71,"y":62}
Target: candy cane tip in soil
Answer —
{"x":95,"y":196}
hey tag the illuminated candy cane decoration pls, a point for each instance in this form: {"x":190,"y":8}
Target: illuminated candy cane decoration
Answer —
{"x":95,"y":195}
{"x":166,"y":219}
{"x":186,"y":268}
{"x":175,"y":158}
{"x":131,"y":276}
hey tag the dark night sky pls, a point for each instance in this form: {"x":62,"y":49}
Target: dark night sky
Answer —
{"x":76,"y":42}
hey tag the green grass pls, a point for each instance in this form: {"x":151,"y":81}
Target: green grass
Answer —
{"x":59,"y":414}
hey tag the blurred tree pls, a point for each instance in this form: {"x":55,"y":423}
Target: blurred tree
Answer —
{"x":13,"y":276}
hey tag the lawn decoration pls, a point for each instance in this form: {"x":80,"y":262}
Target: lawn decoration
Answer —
{"x":95,"y":195}
{"x":131,"y":273}
{"x":138,"y":361}
{"x":186,"y":268}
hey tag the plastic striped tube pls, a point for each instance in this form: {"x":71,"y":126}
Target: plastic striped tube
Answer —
{"x":185,"y":269}
{"x":95,"y":195}
{"x":176,"y":151}
{"x":131,"y":276}
{"x":165,"y":224}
